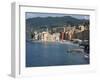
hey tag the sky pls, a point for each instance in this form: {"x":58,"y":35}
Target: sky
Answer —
{"x":33,"y":15}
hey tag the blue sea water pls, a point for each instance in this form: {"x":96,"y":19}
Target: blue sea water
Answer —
{"x":52,"y":54}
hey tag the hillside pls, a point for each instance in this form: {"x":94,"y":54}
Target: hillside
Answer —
{"x":50,"y":22}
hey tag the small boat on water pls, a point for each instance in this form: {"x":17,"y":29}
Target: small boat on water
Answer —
{"x":86,"y":56}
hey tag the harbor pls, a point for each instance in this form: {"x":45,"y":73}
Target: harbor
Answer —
{"x":57,"y":41}
{"x":53,"y":54}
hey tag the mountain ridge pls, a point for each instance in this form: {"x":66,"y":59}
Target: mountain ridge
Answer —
{"x":50,"y":22}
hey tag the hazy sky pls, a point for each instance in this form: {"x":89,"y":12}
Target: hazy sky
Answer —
{"x":33,"y":15}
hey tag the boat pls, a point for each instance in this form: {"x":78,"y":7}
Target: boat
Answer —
{"x":86,"y":56}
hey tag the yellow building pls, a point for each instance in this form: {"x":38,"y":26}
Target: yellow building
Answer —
{"x":47,"y":36}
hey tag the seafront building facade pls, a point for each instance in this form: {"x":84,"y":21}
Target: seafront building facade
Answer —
{"x":62,"y":33}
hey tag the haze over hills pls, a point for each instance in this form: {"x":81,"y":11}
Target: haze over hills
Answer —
{"x":51,"y":22}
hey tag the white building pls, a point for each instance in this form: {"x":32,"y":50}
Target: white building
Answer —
{"x":56,"y":36}
{"x":36,"y":35}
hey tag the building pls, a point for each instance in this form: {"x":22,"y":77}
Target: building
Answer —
{"x":56,"y":36}
{"x":35,"y":35}
{"x":84,"y":35}
{"x":63,"y":33}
